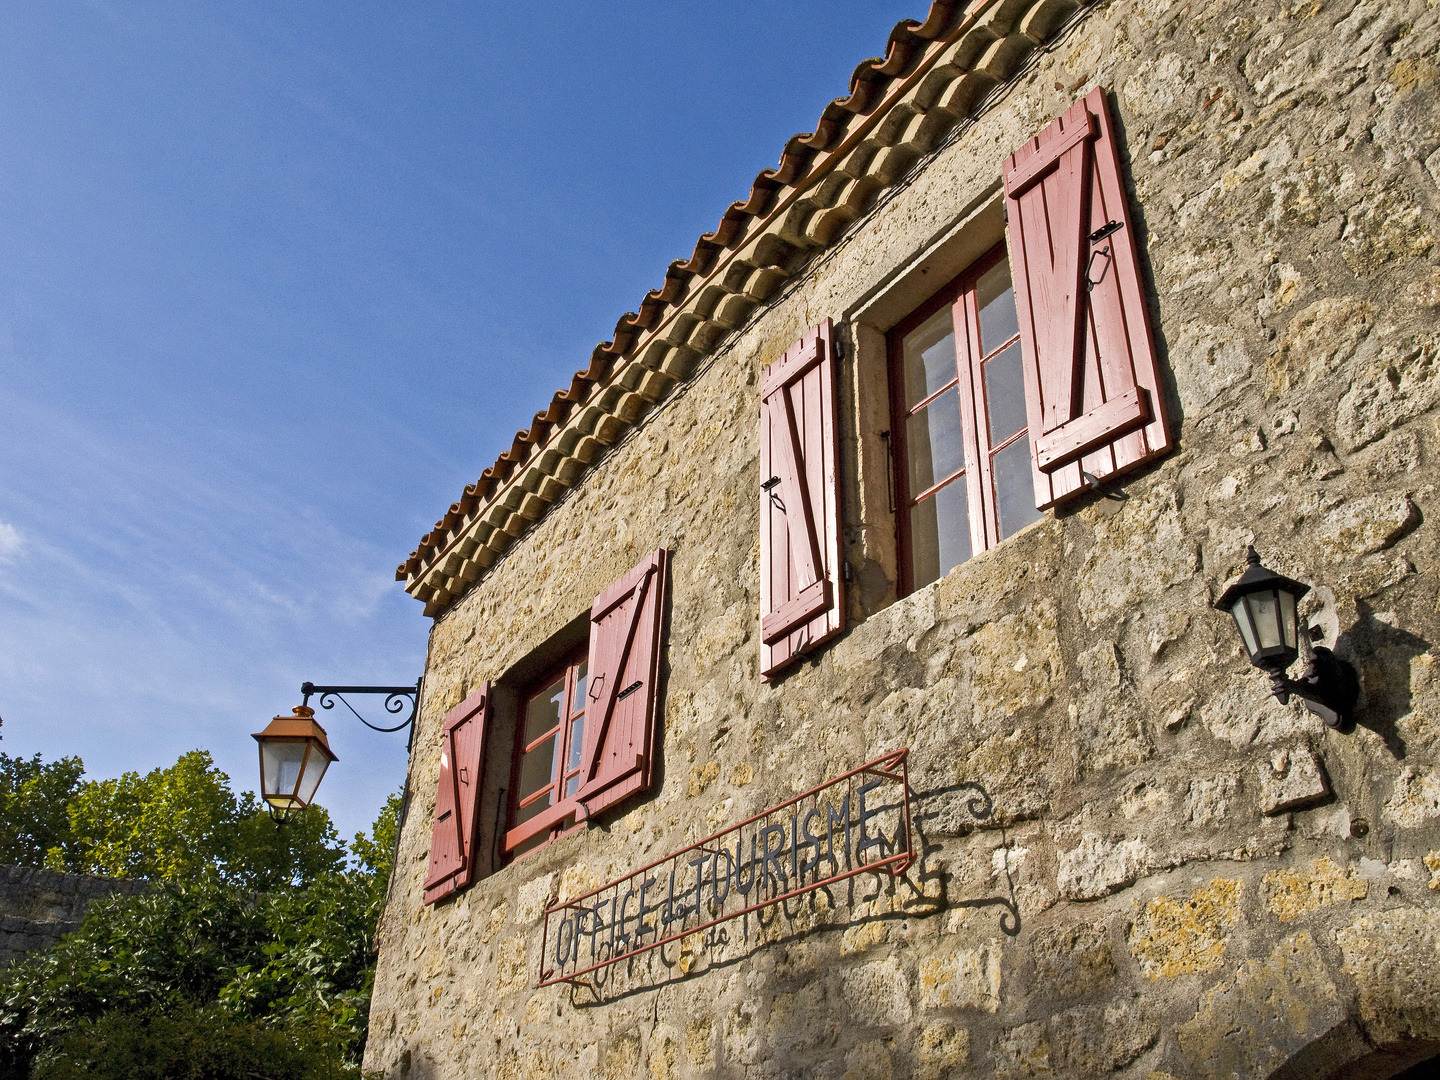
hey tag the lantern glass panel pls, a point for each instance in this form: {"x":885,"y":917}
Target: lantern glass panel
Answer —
{"x":283,"y":763}
{"x":310,"y":778}
{"x":1242,"y":622}
{"x":1287,"y":619}
{"x":1265,"y":610}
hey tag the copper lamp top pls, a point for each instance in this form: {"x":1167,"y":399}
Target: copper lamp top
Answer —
{"x":300,"y":725}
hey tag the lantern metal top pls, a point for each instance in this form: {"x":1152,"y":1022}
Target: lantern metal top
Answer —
{"x":1256,"y":578}
{"x":301,"y":725}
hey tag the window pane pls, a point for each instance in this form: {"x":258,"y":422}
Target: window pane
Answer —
{"x":1005,"y":394}
{"x":527,"y":812}
{"x":932,"y":439}
{"x":939,"y":533}
{"x":929,"y":357}
{"x":1014,"y":487}
{"x":577,"y":742}
{"x":996,"y":301}
{"x":537,"y":769}
{"x":578,"y":702}
{"x":544,"y":711}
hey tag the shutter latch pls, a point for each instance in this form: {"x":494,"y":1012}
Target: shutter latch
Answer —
{"x":629,"y":690}
{"x":1104,"y":253}
{"x":770,"y":486}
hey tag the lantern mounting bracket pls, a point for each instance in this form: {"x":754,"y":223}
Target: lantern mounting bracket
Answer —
{"x":1328,"y":686}
{"x":396,"y":699}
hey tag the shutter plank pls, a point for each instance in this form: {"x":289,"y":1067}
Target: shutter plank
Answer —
{"x":792,"y":463}
{"x":445,"y":830}
{"x":1133,"y":339}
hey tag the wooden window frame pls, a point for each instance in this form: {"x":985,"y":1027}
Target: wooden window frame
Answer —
{"x":569,"y":822}
{"x":978,"y":452}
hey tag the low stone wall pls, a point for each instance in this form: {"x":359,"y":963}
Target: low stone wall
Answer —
{"x":38,"y":906}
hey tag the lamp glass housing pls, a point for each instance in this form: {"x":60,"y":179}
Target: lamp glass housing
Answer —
{"x":1262,"y":603}
{"x":294,"y":754}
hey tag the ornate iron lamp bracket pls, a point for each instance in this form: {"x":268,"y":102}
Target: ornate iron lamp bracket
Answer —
{"x":396,"y":698}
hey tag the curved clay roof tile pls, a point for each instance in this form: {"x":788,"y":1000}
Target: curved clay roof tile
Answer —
{"x":938,"y":20}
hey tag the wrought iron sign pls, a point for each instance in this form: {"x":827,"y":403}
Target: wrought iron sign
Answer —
{"x":858,"y":823}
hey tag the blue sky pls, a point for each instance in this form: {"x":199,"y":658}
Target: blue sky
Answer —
{"x":277,"y":281}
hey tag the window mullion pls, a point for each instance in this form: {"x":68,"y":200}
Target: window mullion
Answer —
{"x":972,"y":421}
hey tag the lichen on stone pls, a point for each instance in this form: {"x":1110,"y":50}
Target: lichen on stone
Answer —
{"x":1173,"y":937}
{"x":1292,"y":893}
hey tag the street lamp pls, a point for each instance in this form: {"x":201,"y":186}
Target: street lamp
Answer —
{"x":294,"y":755}
{"x":294,"y":752}
{"x":1262,"y":604}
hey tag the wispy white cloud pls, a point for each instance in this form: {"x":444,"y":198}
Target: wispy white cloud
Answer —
{"x":11,"y":542}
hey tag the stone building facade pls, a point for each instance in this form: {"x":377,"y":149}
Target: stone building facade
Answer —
{"x":1129,"y":858}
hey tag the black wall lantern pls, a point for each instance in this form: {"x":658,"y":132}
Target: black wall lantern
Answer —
{"x":1262,"y":603}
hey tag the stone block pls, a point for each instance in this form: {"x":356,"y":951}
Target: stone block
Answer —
{"x":964,"y":978}
{"x":1209,"y":802}
{"x":1094,"y":1040}
{"x":1022,"y":1051}
{"x":1367,"y":524}
{"x":1415,"y":801}
{"x":1072,"y":960}
{"x":1394,"y":958}
{"x":1173,"y":936}
{"x":869,"y":1061}
{"x":1400,"y":388}
{"x":699,"y":1035}
{"x":1017,"y":663}
{"x":1272,"y":1008}
{"x":1140,"y":549}
{"x":622,"y":1057}
{"x":1318,"y":340}
{"x":1098,"y":867}
{"x":1292,"y":893}
{"x":533,"y":896}
{"x":941,"y":1052}
{"x":1292,"y":778}
{"x":876,"y":994}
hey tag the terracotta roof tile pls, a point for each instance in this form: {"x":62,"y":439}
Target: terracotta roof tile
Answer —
{"x":933,"y":73}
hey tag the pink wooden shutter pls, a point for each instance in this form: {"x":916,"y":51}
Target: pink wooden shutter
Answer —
{"x":457,"y":803}
{"x":801,"y":591}
{"x":1091,"y":379}
{"x":624,"y":667}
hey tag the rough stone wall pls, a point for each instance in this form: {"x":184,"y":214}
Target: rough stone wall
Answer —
{"x":37,"y":907}
{"x":1182,"y":878}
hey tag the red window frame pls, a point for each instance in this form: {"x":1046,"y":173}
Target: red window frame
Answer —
{"x":560,"y":772}
{"x":979,"y":452}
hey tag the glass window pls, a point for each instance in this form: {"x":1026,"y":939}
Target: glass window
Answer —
{"x":549,"y":753}
{"x":962,"y":447}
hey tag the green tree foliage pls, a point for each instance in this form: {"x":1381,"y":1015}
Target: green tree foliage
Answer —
{"x":184,"y":823}
{"x":253,"y":956}
{"x":33,"y":808}
{"x":189,"y":1043}
{"x":278,"y":982}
